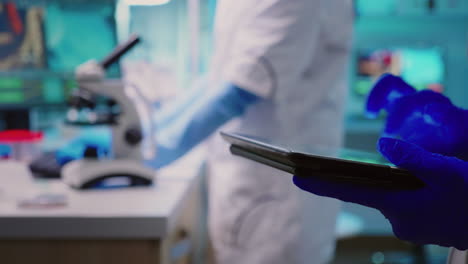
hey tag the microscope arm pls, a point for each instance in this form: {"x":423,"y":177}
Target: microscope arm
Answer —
{"x":119,"y":51}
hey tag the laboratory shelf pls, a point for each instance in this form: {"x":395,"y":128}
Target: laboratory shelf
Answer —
{"x":36,"y":74}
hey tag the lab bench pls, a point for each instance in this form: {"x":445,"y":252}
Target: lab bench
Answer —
{"x":156,"y":224}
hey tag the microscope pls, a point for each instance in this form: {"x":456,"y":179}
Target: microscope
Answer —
{"x":110,"y":102}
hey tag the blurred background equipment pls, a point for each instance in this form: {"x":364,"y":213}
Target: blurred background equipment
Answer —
{"x":423,"y":68}
{"x":40,"y":45}
{"x":23,"y":145}
{"x":22,"y":47}
{"x":42,"y":42}
{"x":21,"y":37}
{"x":131,"y":128}
{"x":423,"y":41}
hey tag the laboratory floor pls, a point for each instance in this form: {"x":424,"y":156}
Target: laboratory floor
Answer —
{"x":373,"y":242}
{"x":386,"y":250}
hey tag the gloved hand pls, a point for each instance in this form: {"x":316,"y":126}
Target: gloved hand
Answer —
{"x":200,"y":119}
{"x":434,"y":214}
{"x":425,"y":118}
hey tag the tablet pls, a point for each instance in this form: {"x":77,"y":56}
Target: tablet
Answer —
{"x":337,"y":165}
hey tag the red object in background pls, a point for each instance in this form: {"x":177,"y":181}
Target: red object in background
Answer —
{"x":20,"y":136}
{"x":15,"y":20}
{"x":436,"y":87}
{"x":383,"y":56}
{"x":387,"y":59}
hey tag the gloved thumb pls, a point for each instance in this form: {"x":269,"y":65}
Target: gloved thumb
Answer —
{"x":386,"y":90}
{"x":423,"y":164}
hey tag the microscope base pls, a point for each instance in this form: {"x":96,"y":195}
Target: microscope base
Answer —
{"x":85,"y":173}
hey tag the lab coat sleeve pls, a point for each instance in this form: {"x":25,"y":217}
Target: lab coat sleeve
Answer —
{"x":273,"y":45}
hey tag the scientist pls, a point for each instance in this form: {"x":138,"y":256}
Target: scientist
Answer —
{"x":279,"y":65}
{"x":434,"y":133}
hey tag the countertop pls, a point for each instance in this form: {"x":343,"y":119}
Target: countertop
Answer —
{"x":132,"y":213}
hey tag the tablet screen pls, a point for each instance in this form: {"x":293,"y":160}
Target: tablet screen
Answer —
{"x":334,"y":164}
{"x":256,"y":144}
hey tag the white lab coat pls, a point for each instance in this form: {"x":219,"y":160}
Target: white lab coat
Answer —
{"x":293,"y":53}
{"x":457,"y":257}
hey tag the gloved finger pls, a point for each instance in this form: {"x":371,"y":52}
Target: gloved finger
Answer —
{"x":425,"y":165}
{"x":401,"y":113}
{"x":425,"y":97}
{"x":345,"y":192}
{"x":406,"y":109}
{"x":396,"y":120}
{"x":385,"y":91}
{"x":433,"y":129}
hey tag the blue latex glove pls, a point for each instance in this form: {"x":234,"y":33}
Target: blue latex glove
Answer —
{"x":425,"y":118}
{"x":385,"y":91}
{"x":99,"y":138}
{"x":434,"y":214}
{"x":198,"y":120}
